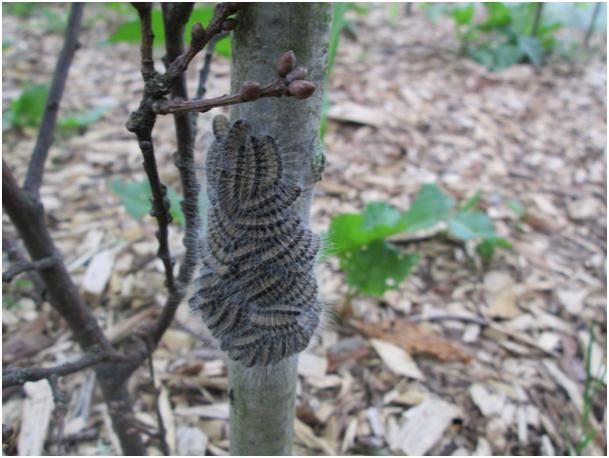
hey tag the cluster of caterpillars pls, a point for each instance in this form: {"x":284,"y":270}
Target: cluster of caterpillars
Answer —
{"x":256,"y":290}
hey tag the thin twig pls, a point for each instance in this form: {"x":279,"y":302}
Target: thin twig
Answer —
{"x":144,"y":11}
{"x":204,"y":72}
{"x":200,"y":38}
{"x":21,"y":267}
{"x":175,"y":20}
{"x":277,"y":88}
{"x":15,"y":256}
{"x":59,"y":413}
{"x":19,"y":375}
{"x":33,"y":179}
{"x":84,"y":435}
{"x":141,"y":123}
{"x":449,"y":317}
{"x":157,"y":393}
{"x":204,"y":75}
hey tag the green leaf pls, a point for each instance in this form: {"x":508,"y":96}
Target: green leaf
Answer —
{"x":351,"y":230}
{"x":27,"y":109}
{"x":431,"y":206}
{"x":486,"y":248}
{"x":472,"y":202}
{"x":532,"y":48}
{"x":377,"y":267}
{"x":464,"y":15}
{"x":339,"y":22}
{"x":498,"y":57}
{"x":176,"y":206}
{"x":135,"y":197}
{"x":507,"y":55}
{"x":130,"y":31}
{"x":84,"y":119}
{"x":380,"y":215}
{"x":472,"y":224}
{"x":499,"y":16}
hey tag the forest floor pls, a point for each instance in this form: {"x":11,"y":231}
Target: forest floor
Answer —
{"x":460,"y":359}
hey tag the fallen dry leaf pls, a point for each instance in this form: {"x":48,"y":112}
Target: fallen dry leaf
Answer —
{"x":414,"y":340}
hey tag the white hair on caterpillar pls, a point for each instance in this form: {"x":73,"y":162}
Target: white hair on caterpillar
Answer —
{"x":256,"y":289}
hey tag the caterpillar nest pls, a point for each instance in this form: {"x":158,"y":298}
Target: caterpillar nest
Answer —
{"x":256,"y":290}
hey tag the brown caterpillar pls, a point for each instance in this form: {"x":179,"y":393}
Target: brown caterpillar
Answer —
{"x":256,"y":289}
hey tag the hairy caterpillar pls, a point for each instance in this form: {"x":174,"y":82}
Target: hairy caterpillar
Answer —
{"x":256,"y":290}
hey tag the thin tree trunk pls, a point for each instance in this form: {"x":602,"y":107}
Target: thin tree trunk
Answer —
{"x":597,"y":9}
{"x":537,"y":20}
{"x":262,"y":399}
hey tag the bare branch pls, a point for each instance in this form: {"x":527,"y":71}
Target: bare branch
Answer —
{"x":157,"y":392}
{"x":290,"y":81}
{"x":19,"y":375}
{"x":27,"y":214}
{"x":144,"y":11}
{"x":184,"y":160}
{"x":15,"y":256}
{"x":21,"y":267}
{"x":203,"y":75}
{"x":200,"y":37}
{"x":33,"y":179}
{"x":204,"y":72}
{"x":59,"y":412}
{"x":277,"y":88}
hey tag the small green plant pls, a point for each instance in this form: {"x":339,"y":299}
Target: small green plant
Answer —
{"x":509,"y":33}
{"x":135,"y":197}
{"x":373,"y":264}
{"x":130,"y":31}
{"x":10,"y":293}
{"x":340,"y":23}
{"x":593,"y":384}
{"x":27,"y":110}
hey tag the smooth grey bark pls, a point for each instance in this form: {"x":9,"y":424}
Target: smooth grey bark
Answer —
{"x":262,"y":399}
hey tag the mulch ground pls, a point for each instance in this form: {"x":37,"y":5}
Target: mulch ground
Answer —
{"x":462,"y":359}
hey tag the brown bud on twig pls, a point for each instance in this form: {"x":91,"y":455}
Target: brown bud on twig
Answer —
{"x":229,"y":24}
{"x":250,"y":91}
{"x":197,"y":35}
{"x":286,"y":63}
{"x":299,"y":73}
{"x":301,"y":89}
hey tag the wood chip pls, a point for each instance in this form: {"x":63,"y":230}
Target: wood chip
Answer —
{"x":191,"y":441}
{"x":311,"y":365}
{"x":219,"y":411}
{"x":423,"y":427}
{"x":358,"y":114}
{"x":37,"y":409}
{"x":490,"y":404}
{"x":98,"y":273}
{"x":397,"y":359}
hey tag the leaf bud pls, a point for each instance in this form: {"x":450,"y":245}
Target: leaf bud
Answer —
{"x":286,"y":63}
{"x":299,"y":73}
{"x":301,"y":89}
{"x":229,"y":24}
{"x":197,"y":35}
{"x":250,"y":91}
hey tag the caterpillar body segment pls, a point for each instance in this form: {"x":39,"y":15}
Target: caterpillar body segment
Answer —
{"x":256,"y":289}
